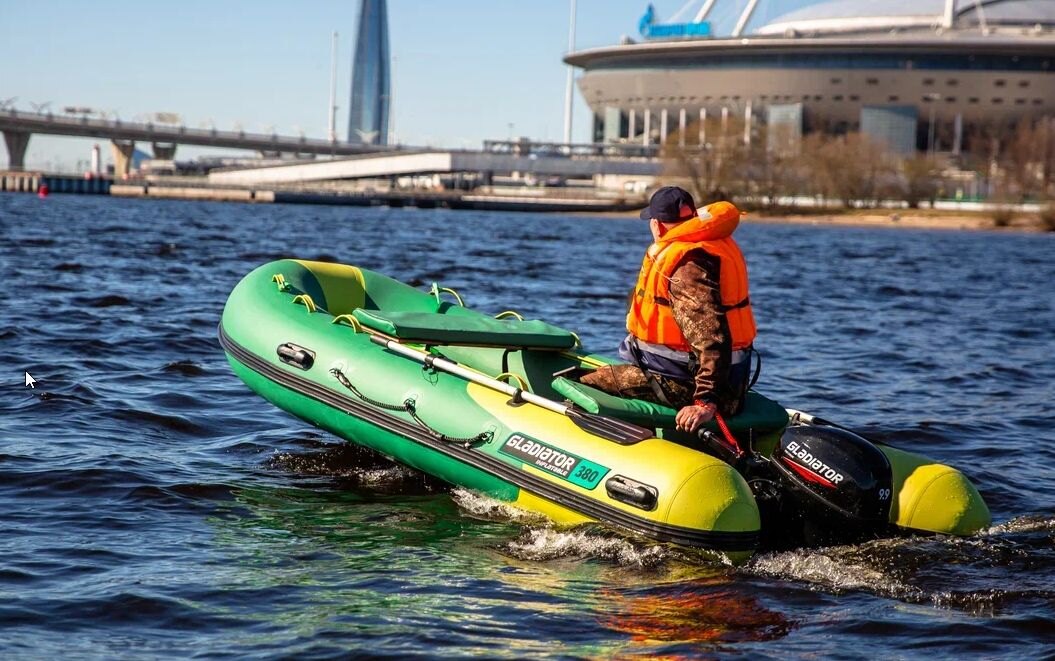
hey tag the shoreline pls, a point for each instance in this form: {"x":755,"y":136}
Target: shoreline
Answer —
{"x":1003,"y":219}
{"x":903,"y":219}
{"x":968,"y":222}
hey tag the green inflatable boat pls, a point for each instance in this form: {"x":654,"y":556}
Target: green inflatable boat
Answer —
{"x":492,"y":404}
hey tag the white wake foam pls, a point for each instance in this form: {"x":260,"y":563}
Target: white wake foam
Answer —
{"x":552,"y":543}
{"x":543,"y":541}
{"x":1022,"y":524}
{"x":483,"y":507}
{"x":825,"y":569}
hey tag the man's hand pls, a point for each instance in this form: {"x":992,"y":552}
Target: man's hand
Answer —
{"x":694,"y":416}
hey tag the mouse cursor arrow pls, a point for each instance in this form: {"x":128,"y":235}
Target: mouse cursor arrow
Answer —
{"x":30,"y":380}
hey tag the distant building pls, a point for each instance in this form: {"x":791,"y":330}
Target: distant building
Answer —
{"x":371,"y":83}
{"x":917,"y":74}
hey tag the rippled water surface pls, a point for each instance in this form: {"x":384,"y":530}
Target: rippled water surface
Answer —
{"x":151,"y":505}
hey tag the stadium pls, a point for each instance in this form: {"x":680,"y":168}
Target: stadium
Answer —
{"x":918,"y":74}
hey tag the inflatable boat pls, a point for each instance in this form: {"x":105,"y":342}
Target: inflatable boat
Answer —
{"x":493,"y":404}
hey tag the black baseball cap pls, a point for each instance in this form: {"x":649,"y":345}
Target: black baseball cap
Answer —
{"x":670,"y":204}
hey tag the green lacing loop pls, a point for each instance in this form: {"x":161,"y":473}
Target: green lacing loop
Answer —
{"x":305,"y":300}
{"x":351,"y":321}
{"x":510,"y":313}
{"x":281,"y":281}
{"x":436,"y":290}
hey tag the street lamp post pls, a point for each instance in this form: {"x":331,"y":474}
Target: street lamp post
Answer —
{"x":571,"y":76}
{"x":332,"y":132}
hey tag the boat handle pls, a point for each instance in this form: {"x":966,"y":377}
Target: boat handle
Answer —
{"x":352,"y":321}
{"x":510,"y":313}
{"x":296,"y":355}
{"x":632,"y":492}
{"x":305,"y":300}
{"x":280,"y":280}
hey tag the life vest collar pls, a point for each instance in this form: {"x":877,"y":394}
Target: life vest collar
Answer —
{"x":716,"y":221}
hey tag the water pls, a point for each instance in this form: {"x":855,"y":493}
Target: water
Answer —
{"x":152,"y":506}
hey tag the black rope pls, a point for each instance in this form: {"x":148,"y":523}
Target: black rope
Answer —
{"x":410,"y":408}
{"x":343,"y":380}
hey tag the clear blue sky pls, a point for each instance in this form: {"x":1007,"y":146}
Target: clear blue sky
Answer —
{"x":464,"y":70}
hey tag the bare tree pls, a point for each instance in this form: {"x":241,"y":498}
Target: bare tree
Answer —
{"x":920,"y":175}
{"x":771,"y":168}
{"x":1020,"y":162}
{"x":723,"y":166}
{"x":850,"y":168}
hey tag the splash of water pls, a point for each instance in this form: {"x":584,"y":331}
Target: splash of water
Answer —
{"x":552,"y":543}
{"x":831,"y":570}
{"x":946,"y":572}
{"x":351,"y":464}
{"x":1023,"y":524}
{"x":482,"y":507}
{"x":543,"y":541}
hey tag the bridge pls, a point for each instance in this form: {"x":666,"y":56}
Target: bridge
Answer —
{"x":344,"y":160}
{"x":18,"y":126}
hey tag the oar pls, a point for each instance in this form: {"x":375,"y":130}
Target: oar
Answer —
{"x":610,"y":428}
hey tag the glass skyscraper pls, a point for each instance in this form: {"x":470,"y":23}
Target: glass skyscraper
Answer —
{"x":371,"y":84}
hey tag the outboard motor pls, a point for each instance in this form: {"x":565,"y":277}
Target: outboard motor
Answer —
{"x":835,"y":484}
{"x":822,"y":485}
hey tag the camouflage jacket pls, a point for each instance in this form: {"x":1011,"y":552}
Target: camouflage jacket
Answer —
{"x":695,"y":302}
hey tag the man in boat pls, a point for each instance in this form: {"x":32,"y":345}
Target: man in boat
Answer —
{"x":690,"y":322}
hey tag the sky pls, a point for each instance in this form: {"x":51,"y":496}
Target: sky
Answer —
{"x":463,"y":70}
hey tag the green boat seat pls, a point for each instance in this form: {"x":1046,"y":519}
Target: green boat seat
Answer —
{"x":760,"y":413}
{"x":466,"y":329}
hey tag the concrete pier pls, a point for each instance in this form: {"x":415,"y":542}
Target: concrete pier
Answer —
{"x":486,"y":198}
{"x":19,"y":182}
{"x":191,"y":193}
{"x":30,"y":182}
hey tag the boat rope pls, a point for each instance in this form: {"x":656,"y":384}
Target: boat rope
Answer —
{"x":729,"y":438}
{"x":410,"y":408}
{"x":436,"y":290}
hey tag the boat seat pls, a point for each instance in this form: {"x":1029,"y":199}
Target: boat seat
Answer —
{"x":760,"y":413}
{"x":469,"y":329}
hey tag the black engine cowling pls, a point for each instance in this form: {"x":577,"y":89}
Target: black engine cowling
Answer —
{"x":836,"y":470}
{"x":821,"y":485}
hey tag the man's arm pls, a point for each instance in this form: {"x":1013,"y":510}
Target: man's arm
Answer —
{"x":695,"y":301}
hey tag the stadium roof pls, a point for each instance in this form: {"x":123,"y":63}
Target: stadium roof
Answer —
{"x":865,"y":15}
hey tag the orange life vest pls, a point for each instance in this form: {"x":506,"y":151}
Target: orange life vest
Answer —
{"x":650,"y":318}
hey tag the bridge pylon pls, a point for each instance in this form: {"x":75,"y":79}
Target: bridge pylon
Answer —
{"x":122,"y":151}
{"x":17,"y":142}
{"x":165,"y":151}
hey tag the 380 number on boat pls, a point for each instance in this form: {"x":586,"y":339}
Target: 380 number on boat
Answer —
{"x":555,"y":461}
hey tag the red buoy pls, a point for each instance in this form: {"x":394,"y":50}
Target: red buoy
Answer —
{"x":42,"y":191}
